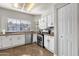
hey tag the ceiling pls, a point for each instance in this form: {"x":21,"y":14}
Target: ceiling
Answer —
{"x":30,"y":8}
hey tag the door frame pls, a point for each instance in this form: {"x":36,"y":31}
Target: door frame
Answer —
{"x":57,"y":6}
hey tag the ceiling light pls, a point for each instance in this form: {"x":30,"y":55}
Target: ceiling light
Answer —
{"x":30,"y":6}
{"x":16,"y":5}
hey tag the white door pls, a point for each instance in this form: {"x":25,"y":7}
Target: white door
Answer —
{"x":60,"y":32}
{"x":66,"y":30}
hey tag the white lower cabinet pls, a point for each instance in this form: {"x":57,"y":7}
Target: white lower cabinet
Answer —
{"x":18,"y":40}
{"x":11,"y":41}
{"x":34,"y":37}
{"x":49,"y":43}
{"x":6,"y":42}
{"x":0,"y":43}
{"x":46,"y":41}
{"x":15,"y":40}
{"x":21,"y":39}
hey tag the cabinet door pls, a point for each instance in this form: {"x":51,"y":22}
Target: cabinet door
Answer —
{"x":44,"y":23}
{"x":34,"y":37}
{"x":41,"y":23}
{"x":46,"y":41}
{"x":21,"y":39}
{"x":14,"y":40}
{"x":18,"y":40}
{"x":6,"y":42}
{"x":49,"y":20}
{"x":51,"y":47}
{"x":0,"y":43}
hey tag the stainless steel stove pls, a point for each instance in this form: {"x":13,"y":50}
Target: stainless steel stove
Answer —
{"x":40,"y":40}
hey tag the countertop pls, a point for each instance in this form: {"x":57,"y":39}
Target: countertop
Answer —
{"x":52,"y":34}
{"x":21,"y":33}
{"x":15,"y":33}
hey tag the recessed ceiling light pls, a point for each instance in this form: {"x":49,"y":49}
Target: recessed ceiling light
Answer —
{"x":16,"y":5}
{"x":30,"y":6}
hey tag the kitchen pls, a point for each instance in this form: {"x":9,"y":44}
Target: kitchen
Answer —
{"x":39,"y":29}
{"x":23,"y":25}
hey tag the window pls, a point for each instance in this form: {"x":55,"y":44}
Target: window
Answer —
{"x":17,"y":25}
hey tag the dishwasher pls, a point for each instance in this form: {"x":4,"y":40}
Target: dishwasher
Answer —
{"x":28,"y":38}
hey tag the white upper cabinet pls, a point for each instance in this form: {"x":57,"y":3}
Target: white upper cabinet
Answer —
{"x":42,"y":23}
{"x":47,"y":20}
{"x":50,"y":19}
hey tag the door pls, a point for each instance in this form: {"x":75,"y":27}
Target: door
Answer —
{"x":60,"y":32}
{"x":67,"y":30}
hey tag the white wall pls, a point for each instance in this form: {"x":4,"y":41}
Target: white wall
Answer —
{"x":5,"y":13}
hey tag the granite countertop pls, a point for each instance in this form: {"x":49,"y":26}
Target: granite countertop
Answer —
{"x":15,"y":33}
{"x":52,"y":34}
{"x":21,"y":33}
